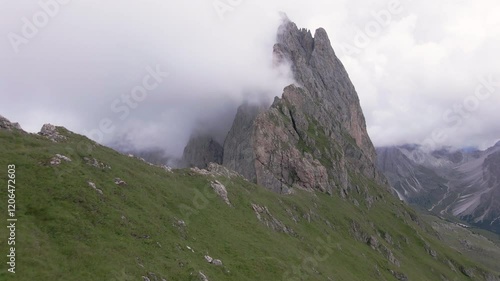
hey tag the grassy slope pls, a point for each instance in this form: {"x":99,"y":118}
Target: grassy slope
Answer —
{"x":67,"y":231}
{"x":477,"y":244}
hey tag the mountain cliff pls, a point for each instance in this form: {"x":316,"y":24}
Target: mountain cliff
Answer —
{"x":202,"y":150}
{"x":314,"y":137}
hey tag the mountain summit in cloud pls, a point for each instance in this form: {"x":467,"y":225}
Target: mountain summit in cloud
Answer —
{"x":314,"y":137}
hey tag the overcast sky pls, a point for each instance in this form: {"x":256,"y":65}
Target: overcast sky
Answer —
{"x":425,"y":71}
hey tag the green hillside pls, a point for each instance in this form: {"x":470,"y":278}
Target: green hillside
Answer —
{"x":159,"y":225}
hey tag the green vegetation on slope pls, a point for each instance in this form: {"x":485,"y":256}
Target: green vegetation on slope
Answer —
{"x":161,"y":224}
{"x":479,"y":245}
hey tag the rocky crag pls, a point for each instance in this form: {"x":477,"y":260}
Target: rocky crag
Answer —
{"x":202,"y":150}
{"x":314,"y":137}
{"x":7,"y":125}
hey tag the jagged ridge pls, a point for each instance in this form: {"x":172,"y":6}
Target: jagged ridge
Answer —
{"x":314,"y":136}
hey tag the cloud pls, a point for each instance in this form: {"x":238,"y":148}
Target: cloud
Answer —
{"x":89,"y":55}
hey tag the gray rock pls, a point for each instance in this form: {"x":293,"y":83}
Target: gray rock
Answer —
{"x":434,"y":179}
{"x":199,"y":171}
{"x":311,"y":136}
{"x":50,"y":131}
{"x":399,"y":276}
{"x":216,"y":170}
{"x":209,"y":259}
{"x":91,"y":184}
{"x":57,"y":159}
{"x":95,"y":163}
{"x":152,"y":276}
{"x":388,"y":238}
{"x":202,"y":150}
{"x":239,"y":154}
{"x":220,"y":189}
{"x":469,"y":272}
{"x":202,"y":277}
{"x":120,"y":182}
{"x":264,"y":216}
{"x":64,"y":158}
{"x":430,"y":251}
{"x":219,"y":170}
{"x":217,"y":262}
{"x":373,"y":242}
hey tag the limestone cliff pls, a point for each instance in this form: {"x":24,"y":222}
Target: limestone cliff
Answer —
{"x":5,"y":124}
{"x":314,"y":136}
{"x":202,"y":150}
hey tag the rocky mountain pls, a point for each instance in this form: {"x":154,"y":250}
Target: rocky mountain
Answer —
{"x":314,"y":137}
{"x":7,"y":125}
{"x":460,"y":183}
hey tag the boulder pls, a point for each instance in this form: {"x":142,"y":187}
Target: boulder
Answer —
{"x":50,"y":131}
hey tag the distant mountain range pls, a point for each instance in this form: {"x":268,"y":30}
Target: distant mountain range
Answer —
{"x":461,"y":183}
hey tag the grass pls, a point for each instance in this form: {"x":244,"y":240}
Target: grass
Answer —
{"x":68,"y":231}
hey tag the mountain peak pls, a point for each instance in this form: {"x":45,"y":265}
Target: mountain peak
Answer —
{"x":312,"y":137}
{"x":317,"y":69}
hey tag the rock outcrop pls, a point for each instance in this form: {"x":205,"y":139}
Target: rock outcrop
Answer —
{"x":314,"y":134}
{"x":202,"y":150}
{"x":239,"y":142}
{"x":5,"y":124}
{"x":221,"y":190}
{"x":57,"y":159}
{"x":50,"y":131}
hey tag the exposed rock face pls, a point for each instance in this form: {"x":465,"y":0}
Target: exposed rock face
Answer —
{"x":264,"y":216}
{"x":317,"y":69}
{"x":93,"y":186}
{"x":50,"y":131}
{"x":221,"y":190}
{"x":239,"y":142}
{"x":56,"y":160}
{"x":202,"y":150}
{"x":202,"y":277}
{"x":7,"y":125}
{"x":311,"y":136}
{"x":461,"y":183}
{"x":216,"y":170}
